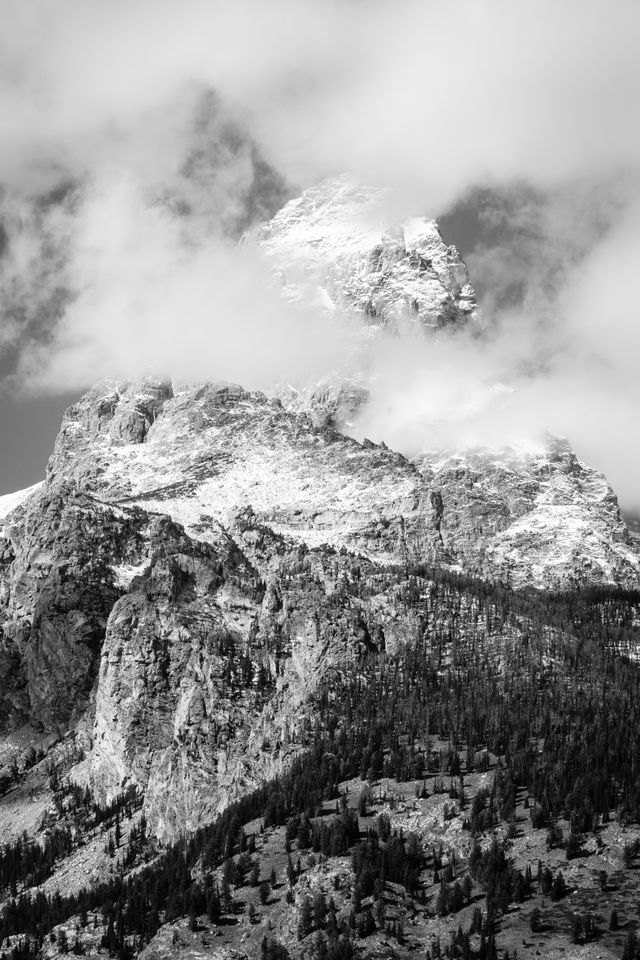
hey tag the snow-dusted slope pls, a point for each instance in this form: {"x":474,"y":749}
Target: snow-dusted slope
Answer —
{"x":11,"y":501}
{"x":206,"y":455}
{"x":199,"y":558}
{"x":213,"y":452}
{"x":532,"y":516}
{"x":335,"y":246}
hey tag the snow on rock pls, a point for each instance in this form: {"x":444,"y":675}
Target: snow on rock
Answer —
{"x":527,"y":516}
{"x":11,"y":501}
{"x":173,"y":585}
{"x":335,"y":246}
{"x":125,"y":573}
{"x":219,"y":450}
{"x":537,"y":517}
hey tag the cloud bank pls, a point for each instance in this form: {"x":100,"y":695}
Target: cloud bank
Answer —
{"x":125,"y":183}
{"x":559,"y":292}
{"x":436,"y":97}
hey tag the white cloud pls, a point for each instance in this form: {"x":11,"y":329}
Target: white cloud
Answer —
{"x":434,"y":98}
{"x":565,"y":359}
{"x":149,"y":298}
{"x":437,"y":96}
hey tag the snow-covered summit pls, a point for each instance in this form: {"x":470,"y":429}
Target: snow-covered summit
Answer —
{"x":205,"y":455}
{"x":335,"y":245}
{"x":532,"y":517}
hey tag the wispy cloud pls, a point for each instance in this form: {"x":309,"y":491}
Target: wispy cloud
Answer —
{"x":133,"y":266}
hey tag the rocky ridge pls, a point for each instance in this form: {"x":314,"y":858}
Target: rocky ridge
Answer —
{"x":335,"y":244}
{"x":179,"y":586}
{"x":538,"y":517}
{"x":201,"y":560}
{"x":338,"y":249}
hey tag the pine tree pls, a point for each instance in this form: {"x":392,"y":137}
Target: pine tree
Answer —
{"x":213,"y":905}
{"x":226,"y":899}
{"x":442,"y":903}
{"x":305,"y":921}
{"x":319,"y":910}
{"x":264,"y":892}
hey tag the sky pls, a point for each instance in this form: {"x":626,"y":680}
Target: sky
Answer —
{"x":140,"y":137}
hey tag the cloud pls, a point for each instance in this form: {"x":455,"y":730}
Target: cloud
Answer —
{"x":125,"y":179}
{"x":527,"y":241}
{"x":150,"y":297}
{"x":562,"y":358}
{"x":434,"y":96}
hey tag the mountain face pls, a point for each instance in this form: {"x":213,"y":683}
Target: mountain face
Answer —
{"x":210,"y":580}
{"x":206,"y":455}
{"x":336,"y":249}
{"x":177,"y":524}
{"x":176,"y":527}
{"x":334,"y":244}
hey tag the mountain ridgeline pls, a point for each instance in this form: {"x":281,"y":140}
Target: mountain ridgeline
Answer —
{"x":266,"y":690}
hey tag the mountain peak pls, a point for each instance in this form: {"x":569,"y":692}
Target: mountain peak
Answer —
{"x":339,"y":243}
{"x":204,"y":454}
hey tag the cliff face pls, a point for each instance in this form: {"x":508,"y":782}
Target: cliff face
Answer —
{"x":57,"y":591}
{"x":192,"y":570}
{"x":200,"y":561}
{"x":335,"y":243}
{"x":538,"y":517}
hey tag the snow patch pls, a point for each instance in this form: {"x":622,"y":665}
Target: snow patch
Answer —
{"x":10,"y":501}
{"x":124,"y":573}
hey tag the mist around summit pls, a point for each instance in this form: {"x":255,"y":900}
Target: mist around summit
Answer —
{"x":319,"y":562}
{"x":143,"y":140}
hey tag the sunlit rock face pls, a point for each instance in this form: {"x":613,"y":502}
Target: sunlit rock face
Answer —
{"x":200,"y":560}
{"x":337,"y":250}
{"x":532,"y":517}
{"x":206,"y":455}
{"x":336,"y":244}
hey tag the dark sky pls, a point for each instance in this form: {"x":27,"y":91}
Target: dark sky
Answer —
{"x":28,"y":429}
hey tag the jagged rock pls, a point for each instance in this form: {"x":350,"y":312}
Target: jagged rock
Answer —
{"x":191,"y":591}
{"x":56,"y":595}
{"x":200,"y":560}
{"x":121,"y":411}
{"x":535,"y":517}
{"x":334,"y":245}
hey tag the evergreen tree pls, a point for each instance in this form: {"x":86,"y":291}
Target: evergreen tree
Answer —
{"x":305,"y":920}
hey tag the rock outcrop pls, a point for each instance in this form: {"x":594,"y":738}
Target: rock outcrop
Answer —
{"x":534,"y":517}
{"x":201,"y":560}
{"x":193,"y":567}
{"x":335,"y":245}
